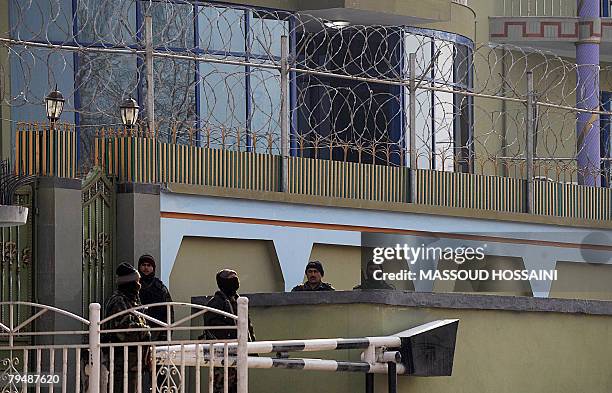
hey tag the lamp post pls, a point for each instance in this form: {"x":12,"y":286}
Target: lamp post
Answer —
{"x":129,"y":113}
{"x":54,"y":103}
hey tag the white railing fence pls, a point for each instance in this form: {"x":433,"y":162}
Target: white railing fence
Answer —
{"x":38,"y":352}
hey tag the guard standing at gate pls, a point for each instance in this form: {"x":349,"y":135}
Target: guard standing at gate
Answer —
{"x":225,"y":299}
{"x":152,"y":291}
{"x":125,"y":298}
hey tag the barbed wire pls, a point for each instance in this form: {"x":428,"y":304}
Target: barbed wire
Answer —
{"x":217,"y":83}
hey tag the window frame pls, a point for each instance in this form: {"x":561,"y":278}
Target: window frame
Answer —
{"x":456,"y":40}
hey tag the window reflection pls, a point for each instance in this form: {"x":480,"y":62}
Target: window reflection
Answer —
{"x":38,"y":71}
{"x":175,"y":108}
{"x":222,"y":104}
{"x":221,"y":29}
{"x":41,"y":20}
{"x":443,"y":119}
{"x":172,"y":25}
{"x":103,"y":81}
{"x":100,"y":24}
{"x":264,"y":34}
{"x":265,"y":109}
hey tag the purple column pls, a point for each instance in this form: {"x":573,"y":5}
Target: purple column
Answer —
{"x":587,"y":96}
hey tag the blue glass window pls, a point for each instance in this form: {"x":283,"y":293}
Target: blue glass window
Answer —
{"x":221,"y":30}
{"x":103,"y":81}
{"x":175,"y":98}
{"x":606,"y":5}
{"x":98,"y":24}
{"x":173,"y":25}
{"x":41,"y":20}
{"x":344,"y":119}
{"x":264,"y":34}
{"x":444,"y":120}
{"x":222,"y":103}
{"x":37,"y":71}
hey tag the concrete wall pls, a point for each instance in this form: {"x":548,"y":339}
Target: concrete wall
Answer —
{"x":585,"y":282}
{"x":256,"y":261}
{"x":200,"y":258}
{"x":138,"y":223}
{"x":498,"y":350}
{"x":498,"y":287}
{"x":202,"y":233}
{"x":58,"y":252}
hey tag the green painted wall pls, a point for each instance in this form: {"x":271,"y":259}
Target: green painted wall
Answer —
{"x":582,"y":281}
{"x":497,"y":351}
{"x":254,"y":260}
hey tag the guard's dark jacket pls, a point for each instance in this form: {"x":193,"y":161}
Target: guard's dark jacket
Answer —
{"x":120,"y":301}
{"x":152,"y":291}
{"x":321,"y":287}
{"x":228,"y":304}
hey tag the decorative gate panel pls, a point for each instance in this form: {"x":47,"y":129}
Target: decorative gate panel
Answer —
{"x":98,"y":253}
{"x":16,"y":259}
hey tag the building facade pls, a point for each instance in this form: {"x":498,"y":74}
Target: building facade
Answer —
{"x":275,"y":132}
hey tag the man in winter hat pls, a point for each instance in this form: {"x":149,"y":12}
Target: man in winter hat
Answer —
{"x":314,"y":274}
{"x":125,"y":298}
{"x":152,"y":291}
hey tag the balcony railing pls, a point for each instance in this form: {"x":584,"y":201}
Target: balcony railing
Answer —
{"x":539,"y":7}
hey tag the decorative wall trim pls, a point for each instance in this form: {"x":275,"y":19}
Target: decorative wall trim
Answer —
{"x":568,"y":29}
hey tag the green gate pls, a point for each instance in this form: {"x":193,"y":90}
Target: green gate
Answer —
{"x":16,"y":261}
{"x":98,"y":254}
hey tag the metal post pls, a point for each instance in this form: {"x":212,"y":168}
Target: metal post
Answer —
{"x":529,"y":141}
{"x":392,"y":377}
{"x":369,"y":383}
{"x":504,"y":121}
{"x":149,"y":69}
{"x":284,"y":121}
{"x":242,"y":355}
{"x":94,"y":348}
{"x":412,"y":125}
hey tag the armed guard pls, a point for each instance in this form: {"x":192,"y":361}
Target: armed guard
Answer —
{"x":125,"y":298}
{"x":225,"y":299}
{"x":152,"y":291}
